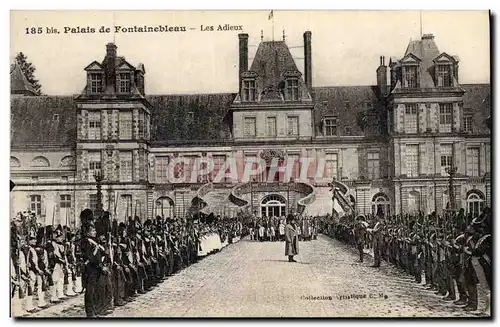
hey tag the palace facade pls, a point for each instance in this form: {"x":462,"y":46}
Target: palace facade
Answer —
{"x":386,"y":147}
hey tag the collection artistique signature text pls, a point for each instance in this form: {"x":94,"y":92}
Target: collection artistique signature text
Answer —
{"x":345,"y":297}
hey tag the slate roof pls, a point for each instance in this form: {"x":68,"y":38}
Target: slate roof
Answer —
{"x":271,"y":60}
{"x":43,"y":120}
{"x":426,"y":50}
{"x":33,"y":120}
{"x":173,"y":123}
{"x":19,"y":84}
{"x":477,"y":101}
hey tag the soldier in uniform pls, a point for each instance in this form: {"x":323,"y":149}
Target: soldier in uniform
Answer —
{"x":43,"y":265}
{"x":469,"y":273}
{"x":376,"y":231}
{"x":30,"y":271}
{"x":457,"y":274}
{"x":93,"y":257}
{"x":70,"y":276}
{"x":57,"y":263}
{"x":360,"y":234}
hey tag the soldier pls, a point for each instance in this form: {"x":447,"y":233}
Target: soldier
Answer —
{"x":57,"y":262}
{"x":70,"y":279}
{"x":360,"y":234}
{"x":469,"y":273}
{"x":30,"y":271}
{"x":117,"y":271}
{"x":457,"y":274}
{"x":93,"y":257}
{"x":376,"y":231}
{"x":43,"y":265}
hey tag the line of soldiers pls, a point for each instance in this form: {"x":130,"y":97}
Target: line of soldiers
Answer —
{"x":442,"y":252}
{"x":43,"y":263}
{"x":111,"y":262}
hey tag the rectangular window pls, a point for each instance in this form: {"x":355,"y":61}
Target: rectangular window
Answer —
{"x":411,"y":76}
{"x":292,"y":89}
{"x":125,"y":166}
{"x":93,"y":202}
{"x":94,"y":164}
{"x":293,"y":125}
{"x":331,"y":166}
{"x":94,"y":125}
{"x":271,"y":126}
{"x":249,"y":90}
{"x":190,"y":169}
{"x":330,"y":126}
{"x":411,"y":120}
{"x":443,"y":75}
{"x":141,"y":125}
{"x":161,"y":169}
{"x":445,"y":117}
{"x":124,"y":85}
{"x":36,"y":204}
{"x":125,"y":125}
{"x":473,"y":162}
{"x":373,"y":164}
{"x":250,"y":127}
{"x":219,"y":162}
{"x":446,"y":158}
{"x":468,"y":123}
{"x":296,"y":166}
{"x":412,"y":166}
{"x":95,"y":83}
{"x":126,"y":205}
{"x":65,"y":209}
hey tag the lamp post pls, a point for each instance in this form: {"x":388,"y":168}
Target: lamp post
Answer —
{"x":451,"y":171}
{"x":98,"y":176}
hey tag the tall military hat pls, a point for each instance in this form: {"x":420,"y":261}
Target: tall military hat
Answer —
{"x":40,"y":236}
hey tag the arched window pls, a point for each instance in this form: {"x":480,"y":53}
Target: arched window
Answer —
{"x":165,"y":207}
{"x":14,"y":162}
{"x":273,"y":205}
{"x":40,"y":162}
{"x":67,"y":161}
{"x":475,"y":203}
{"x":381,"y":204}
{"x":414,"y":202}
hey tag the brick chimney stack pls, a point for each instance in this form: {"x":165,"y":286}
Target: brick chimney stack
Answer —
{"x":382,"y":77}
{"x":243,"y":53}
{"x":307,"y":59}
{"x":110,"y":67}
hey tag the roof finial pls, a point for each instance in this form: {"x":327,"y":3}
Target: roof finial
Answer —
{"x":261,"y":35}
{"x":284,"y":36}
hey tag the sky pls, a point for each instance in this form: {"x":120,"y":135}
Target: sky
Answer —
{"x":346,"y":45}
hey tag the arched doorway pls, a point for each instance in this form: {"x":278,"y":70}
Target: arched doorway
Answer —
{"x":165,"y":207}
{"x":475,"y":202}
{"x":381,"y":205}
{"x":273,"y":205}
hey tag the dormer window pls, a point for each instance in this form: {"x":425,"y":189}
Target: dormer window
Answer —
{"x":292,"y":89}
{"x":124,"y":82}
{"x":330,"y":126}
{"x":443,"y":75}
{"x":411,"y":76}
{"x":249,"y":90}
{"x":95,"y":82}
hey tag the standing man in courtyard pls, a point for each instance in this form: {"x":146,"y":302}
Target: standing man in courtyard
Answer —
{"x":291,"y":239}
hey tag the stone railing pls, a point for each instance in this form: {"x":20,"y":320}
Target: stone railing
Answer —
{"x":310,"y":191}
{"x":198,"y":202}
{"x":236,"y":194}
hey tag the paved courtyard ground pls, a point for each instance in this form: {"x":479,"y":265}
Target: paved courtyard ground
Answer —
{"x":254,"y":279}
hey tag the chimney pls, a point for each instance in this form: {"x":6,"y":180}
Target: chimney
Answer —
{"x":307,"y":59}
{"x":382,"y":77}
{"x":243,"y":53}
{"x":110,"y":68}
